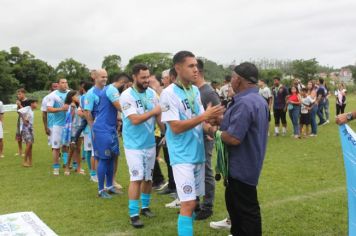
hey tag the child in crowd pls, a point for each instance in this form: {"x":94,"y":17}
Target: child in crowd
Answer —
{"x":305,"y":117}
{"x":26,"y":126}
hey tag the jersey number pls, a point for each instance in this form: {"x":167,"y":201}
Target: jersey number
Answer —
{"x":185,"y":104}
{"x":139,"y":104}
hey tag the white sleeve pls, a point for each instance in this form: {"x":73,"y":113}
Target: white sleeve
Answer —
{"x":128,"y":104}
{"x":269,"y":92}
{"x":44,"y":104}
{"x":50,"y":101}
{"x":25,"y":111}
{"x":169,"y":107}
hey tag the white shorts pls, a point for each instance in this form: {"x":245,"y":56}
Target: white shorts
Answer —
{"x":49,"y":137}
{"x":1,"y":131}
{"x":56,"y":136}
{"x":141,"y":163}
{"x":88,"y":143}
{"x":189,"y":179}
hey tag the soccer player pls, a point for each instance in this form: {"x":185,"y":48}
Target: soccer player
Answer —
{"x":106,"y":144}
{"x":56,"y":106}
{"x":47,"y":118}
{"x":140,"y":111}
{"x":91,"y":104}
{"x":184,"y":115}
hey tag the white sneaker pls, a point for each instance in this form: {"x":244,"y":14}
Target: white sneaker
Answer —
{"x":223,"y":224}
{"x":94,"y":178}
{"x":174,"y":204}
{"x":2,"y":156}
{"x":56,"y":171}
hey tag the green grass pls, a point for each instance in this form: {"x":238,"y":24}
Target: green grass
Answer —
{"x":302,"y":190}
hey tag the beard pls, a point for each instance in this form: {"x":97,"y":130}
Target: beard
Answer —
{"x":142,"y":86}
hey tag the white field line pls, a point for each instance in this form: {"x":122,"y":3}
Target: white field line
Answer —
{"x":306,"y":196}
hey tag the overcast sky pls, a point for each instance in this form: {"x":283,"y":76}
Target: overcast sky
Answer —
{"x":222,"y":31}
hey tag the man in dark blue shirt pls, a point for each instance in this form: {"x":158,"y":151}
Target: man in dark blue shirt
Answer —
{"x":244,"y":131}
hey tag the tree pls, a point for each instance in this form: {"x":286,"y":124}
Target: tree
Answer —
{"x":156,"y":62}
{"x":111,"y":64}
{"x":73,"y":71}
{"x":269,"y":74}
{"x":213,"y":71}
{"x":8,"y":84}
{"x":305,"y":69}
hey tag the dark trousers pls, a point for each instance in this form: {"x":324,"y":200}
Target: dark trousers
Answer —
{"x":340,"y":109}
{"x":157,"y":177}
{"x":82,"y":126}
{"x":243,"y":207}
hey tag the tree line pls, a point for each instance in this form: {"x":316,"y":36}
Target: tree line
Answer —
{"x":21,"y":69}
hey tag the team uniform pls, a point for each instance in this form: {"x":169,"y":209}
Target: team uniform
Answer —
{"x":56,"y":100}
{"x":139,"y":140}
{"x":49,"y":118}
{"x":186,"y":150}
{"x":91,"y":103}
{"x":106,"y":144}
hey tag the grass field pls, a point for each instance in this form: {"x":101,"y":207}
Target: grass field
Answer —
{"x":302,"y":190}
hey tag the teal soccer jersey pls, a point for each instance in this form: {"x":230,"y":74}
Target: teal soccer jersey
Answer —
{"x":56,"y":100}
{"x":139,"y":136}
{"x":188,"y":146}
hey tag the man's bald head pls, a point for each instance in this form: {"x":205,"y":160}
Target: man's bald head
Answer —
{"x":101,"y":77}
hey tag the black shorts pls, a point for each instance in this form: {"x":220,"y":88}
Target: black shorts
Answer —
{"x":279,"y":115}
{"x":305,"y":119}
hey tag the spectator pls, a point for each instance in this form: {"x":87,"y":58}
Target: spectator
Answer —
{"x":305,"y":119}
{"x":280,"y":94}
{"x":1,"y":130}
{"x":340,"y":95}
{"x":265,"y":92}
{"x":321,"y":94}
{"x":293,"y":105}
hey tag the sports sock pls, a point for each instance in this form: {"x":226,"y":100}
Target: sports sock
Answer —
{"x":145,"y":200}
{"x":110,"y":172}
{"x":185,"y":225}
{"x":65,"y":157}
{"x":134,"y":207}
{"x":102,"y":167}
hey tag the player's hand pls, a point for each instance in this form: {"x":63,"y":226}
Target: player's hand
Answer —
{"x":156,"y":110}
{"x":65,"y":107}
{"x":341,"y":119}
{"x":213,"y":112}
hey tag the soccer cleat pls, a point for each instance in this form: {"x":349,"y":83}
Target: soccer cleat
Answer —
{"x":147,"y":212}
{"x":114,"y":191}
{"x":94,"y":178}
{"x":104,"y":195}
{"x":204,"y":214}
{"x":223,"y":224}
{"x":136,"y":222}
{"x":174,"y":204}
{"x":56,"y":172}
{"x":166,"y":190}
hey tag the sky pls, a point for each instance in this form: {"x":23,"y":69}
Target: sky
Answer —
{"x":222,"y":31}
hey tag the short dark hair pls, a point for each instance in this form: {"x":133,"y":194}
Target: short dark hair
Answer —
{"x":69,"y":96}
{"x":276,"y":78}
{"x":248,"y":71}
{"x":321,"y":81}
{"x":180,"y":56}
{"x":200,"y":65}
{"x":21,"y":90}
{"x":214,"y":82}
{"x":121,"y":76}
{"x":138,"y":67}
{"x":32,"y":100}
{"x":228,"y":78}
{"x":60,"y":78}
{"x":173,"y":73}
{"x":86,"y":85}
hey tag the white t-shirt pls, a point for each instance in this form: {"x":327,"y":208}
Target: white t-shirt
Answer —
{"x":306,"y":102}
{"x":27,"y":114}
{"x":265,"y":93}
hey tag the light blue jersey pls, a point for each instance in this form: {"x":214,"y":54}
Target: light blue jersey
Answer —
{"x":186,"y":147}
{"x":91,"y":102}
{"x":82,"y":102}
{"x":50,"y":116}
{"x":139,"y":136}
{"x":56,"y":100}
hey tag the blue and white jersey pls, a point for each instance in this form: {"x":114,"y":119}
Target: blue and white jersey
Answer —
{"x":139,"y":136}
{"x":92,"y":100}
{"x":56,"y":100}
{"x":50,"y":116}
{"x":188,"y":146}
{"x":106,"y":119}
{"x":81,"y":105}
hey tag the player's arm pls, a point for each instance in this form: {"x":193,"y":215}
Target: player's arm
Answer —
{"x":88,"y":116}
{"x":59,"y":109}
{"x":160,"y":124}
{"x":137,"y":119}
{"x":180,"y":126}
{"x":45,"y":122}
